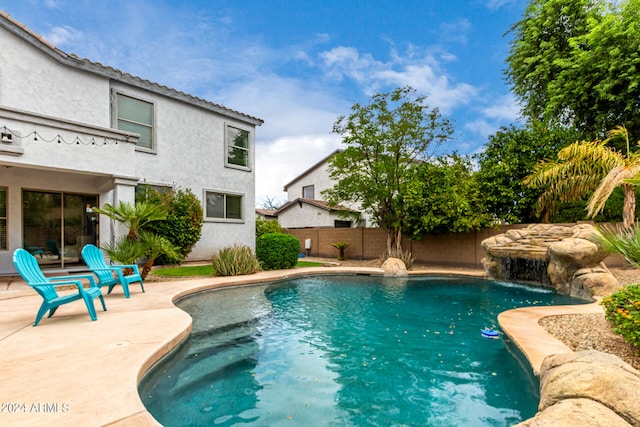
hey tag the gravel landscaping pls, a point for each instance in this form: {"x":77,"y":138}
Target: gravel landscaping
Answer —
{"x":593,"y":331}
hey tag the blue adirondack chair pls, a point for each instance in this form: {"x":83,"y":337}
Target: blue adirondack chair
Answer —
{"x":110,"y":275}
{"x":29,"y":270}
{"x":35,"y":250}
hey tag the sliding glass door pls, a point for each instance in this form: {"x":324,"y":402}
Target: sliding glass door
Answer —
{"x":57,"y":225}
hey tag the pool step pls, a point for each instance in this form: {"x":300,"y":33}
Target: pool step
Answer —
{"x":209,"y":363}
{"x":202,"y":341}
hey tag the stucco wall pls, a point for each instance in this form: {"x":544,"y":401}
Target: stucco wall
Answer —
{"x":305,"y":215}
{"x":319,"y":178}
{"x":40,"y":93}
{"x":33,"y":81}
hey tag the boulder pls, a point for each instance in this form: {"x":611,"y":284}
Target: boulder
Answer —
{"x":590,"y":375}
{"x":572,"y":260}
{"x":394,"y":267}
{"x":575,"y":251}
{"x":576,"y":413}
{"x":593,"y":281}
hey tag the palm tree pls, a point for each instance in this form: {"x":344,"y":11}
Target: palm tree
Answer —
{"x":137,"y":245}
{"x":341,"y":246}
{"x":156,"y":246}
{"x":589,"y":166}
{"x":134,"y":216}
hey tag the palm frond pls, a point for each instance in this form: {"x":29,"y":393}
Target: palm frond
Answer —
{"x":580,"y":169}
{"x":614,"y":178}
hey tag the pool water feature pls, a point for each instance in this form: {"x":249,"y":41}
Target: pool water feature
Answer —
{"x":349,"y":350}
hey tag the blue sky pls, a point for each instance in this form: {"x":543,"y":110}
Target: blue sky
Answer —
{"x":299,"y":64}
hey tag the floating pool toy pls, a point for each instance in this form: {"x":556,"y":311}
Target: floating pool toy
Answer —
{"x":490,"y":333}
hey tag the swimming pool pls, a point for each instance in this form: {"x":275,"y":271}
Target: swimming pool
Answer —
{"x":348,"y":350}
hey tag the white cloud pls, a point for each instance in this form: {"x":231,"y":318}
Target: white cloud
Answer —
{"x":51,"y":4}
{"x":440,"y":91}
{"x":279,"y":161}
{"x":481,"y":127}
{"x":420,"y":72}
{"x":455,"y":31}
{"x":497,"y":4}
{"x":63,"y":35}
{"x":505,"y":108}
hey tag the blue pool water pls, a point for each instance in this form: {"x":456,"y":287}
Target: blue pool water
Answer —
{"x":349,"y":351}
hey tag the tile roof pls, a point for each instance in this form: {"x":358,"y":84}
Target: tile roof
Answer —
{"x":317,"y":203}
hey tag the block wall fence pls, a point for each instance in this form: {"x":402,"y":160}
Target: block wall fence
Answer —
{"x":450,"y":249}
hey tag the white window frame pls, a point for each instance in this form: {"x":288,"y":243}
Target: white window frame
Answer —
{"x":207,"y":218}
{"x":116,"y":118}
{"x":228,"y":144}
{"x":4,"y":240}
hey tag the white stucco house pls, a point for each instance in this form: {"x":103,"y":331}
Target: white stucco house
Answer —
{"x":305,"y":207}
{"x":76,"y":134}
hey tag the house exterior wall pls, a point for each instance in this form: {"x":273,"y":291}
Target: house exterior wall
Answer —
{"x":191,"y":154}
{"x":32,"y":80}
{"x":39,"y":92}
{"x":304,"y":215}
{"x":319,"y":178}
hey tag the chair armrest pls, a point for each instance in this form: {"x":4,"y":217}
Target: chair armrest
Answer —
{"x":60,"y":283}
{"x":75,"y":278}
{"x":134,"y":267}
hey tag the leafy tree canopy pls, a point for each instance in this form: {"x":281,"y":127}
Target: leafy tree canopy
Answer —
{"x":576,"y":63}
{"x":444,"y":197}
{"x":509,"y":156}
{"x":384,"y":140}
{"x":183,"y":223}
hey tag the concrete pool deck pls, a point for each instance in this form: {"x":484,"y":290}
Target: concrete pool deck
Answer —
{"x":70,"y":371}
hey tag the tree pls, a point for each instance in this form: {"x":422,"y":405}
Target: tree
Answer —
{"x":264,"y":226}
{"x":444,"y":196}
{"x":133,"y":216}
{"x":384,"y":140}
{"x":589,"y":166}
{"x":137,"y":244}
{"x":271,"y":203}
{"x":509,"y":156}
{"x":576,"y":63}
{"x":183,"y":223}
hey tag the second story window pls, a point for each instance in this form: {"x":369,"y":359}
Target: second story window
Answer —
{"x":135,"y":115}
{"x":308,"y":192}
{"x":237,"y":147}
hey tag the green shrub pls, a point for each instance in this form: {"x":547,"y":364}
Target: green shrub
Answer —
{"x":183,"y":225}
{"x":622,"y":309}
{"x":235,"y":261}
{"x":264,"y":226}
{"x":277,"y":251}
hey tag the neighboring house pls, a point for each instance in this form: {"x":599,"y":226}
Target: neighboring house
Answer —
{"x":305,"y":207}
{"x":304,"y":213}
{"x":76,"y":134}
{"x":269,"y":214}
